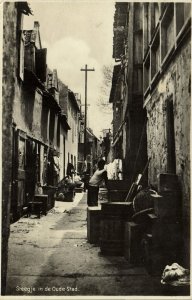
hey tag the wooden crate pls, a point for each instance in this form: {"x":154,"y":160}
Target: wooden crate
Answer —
{"x":117,"y":209}
{"x":112,"y":235}
{"x":113,"y":218}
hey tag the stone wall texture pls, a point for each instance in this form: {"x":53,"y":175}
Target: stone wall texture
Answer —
{"x":8,"y":84}
{"x":175,"y":84}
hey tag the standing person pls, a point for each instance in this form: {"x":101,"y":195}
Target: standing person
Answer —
{"x":94,"y":183}
{"x":70,"y":170}
{"x":56,"y":167}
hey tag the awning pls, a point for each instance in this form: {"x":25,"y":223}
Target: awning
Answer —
{"x":64,"y":122}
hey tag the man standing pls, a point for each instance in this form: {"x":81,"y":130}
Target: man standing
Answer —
{"x":98,"y":177}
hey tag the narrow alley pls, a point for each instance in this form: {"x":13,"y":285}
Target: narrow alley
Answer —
{"x":51,"y":256}
{"x":96,"y":149}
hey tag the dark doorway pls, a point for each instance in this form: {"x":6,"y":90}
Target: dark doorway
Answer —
{"x":171,"y":157}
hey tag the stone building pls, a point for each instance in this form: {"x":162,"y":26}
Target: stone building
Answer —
{"x":129,"y":117}
{"x":12,"y":76}
{"x":167,"y":96}
{"x":151,"y":96}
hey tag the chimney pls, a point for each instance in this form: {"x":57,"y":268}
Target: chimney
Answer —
{"x":36,"y":25}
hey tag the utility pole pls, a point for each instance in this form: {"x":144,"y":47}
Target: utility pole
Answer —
{"x":85,"y":121}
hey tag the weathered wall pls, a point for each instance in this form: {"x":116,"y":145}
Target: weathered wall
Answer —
{"x":174,"y":83}
{"x":8,"y":81}
{"x":27,"y":110}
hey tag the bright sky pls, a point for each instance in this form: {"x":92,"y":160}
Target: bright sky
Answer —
{"x":76,"y":33}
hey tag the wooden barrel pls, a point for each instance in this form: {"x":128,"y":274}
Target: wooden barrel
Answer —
{"x":93,"y":224}
{"x":112,"y":227}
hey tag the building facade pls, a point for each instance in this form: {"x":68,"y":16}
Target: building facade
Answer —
{"x":167,"y":96}
{"x":35,"y":121}
{"x":71,"y":112}
{"x":12,"y":75}
{"x":151,"y":96}
{"x":129,"y":117}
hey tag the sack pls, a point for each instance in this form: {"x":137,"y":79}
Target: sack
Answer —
{"x":175,"y":275}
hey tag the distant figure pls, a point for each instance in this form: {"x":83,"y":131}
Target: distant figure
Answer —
{"x":86,"y":174}
{"x":77,"y":180}
{"x":56,"y":167}
{"x":70,"y":170}
{"x":96,"y":180}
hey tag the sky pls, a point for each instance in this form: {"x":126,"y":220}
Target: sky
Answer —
{"x":77,"y":33}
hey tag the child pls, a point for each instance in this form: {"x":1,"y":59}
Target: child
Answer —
{"x":94,"y":183}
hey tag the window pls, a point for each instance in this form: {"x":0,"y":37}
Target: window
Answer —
{"x":155,"y":56}
{"x":167,"y":31}
{"x":40,"y":64}
{"x":183,"y":12}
